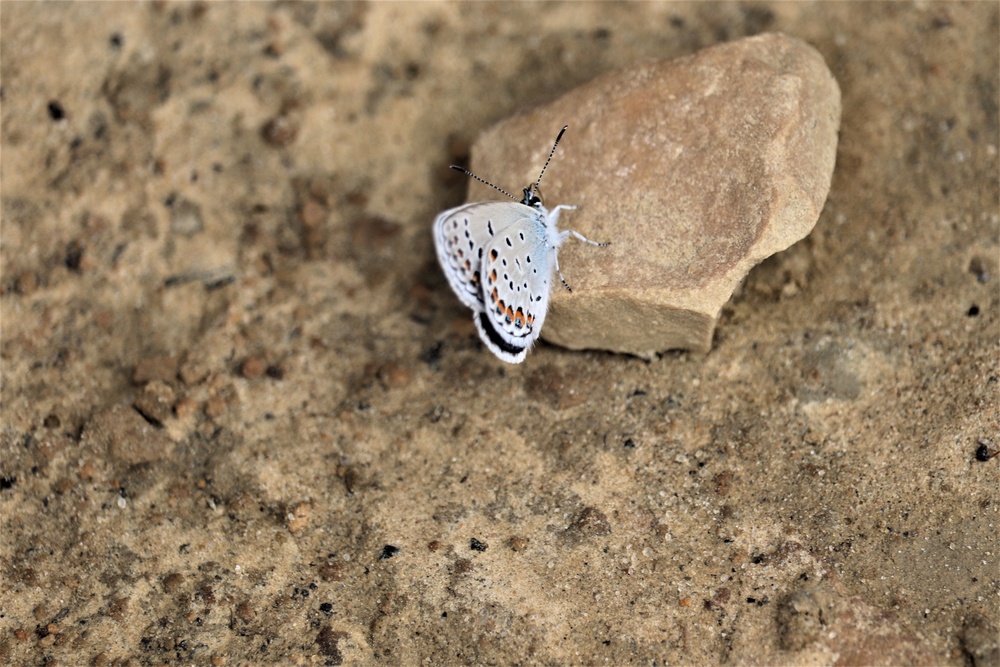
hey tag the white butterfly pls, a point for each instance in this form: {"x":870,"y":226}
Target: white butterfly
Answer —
{"x":499,"y":258}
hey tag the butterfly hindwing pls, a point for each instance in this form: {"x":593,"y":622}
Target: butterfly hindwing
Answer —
{"x":516,"y":276}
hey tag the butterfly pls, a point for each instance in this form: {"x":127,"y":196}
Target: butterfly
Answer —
{"x":499,"y":258}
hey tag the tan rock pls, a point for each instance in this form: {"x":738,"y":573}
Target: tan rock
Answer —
{"x":695,"y":169}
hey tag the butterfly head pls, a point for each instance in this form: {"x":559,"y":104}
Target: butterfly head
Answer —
{"x":531,"y":199}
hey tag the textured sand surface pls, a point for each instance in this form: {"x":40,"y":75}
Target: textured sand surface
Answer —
{"x":245,"y":421}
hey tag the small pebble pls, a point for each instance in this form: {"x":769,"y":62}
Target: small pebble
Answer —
{"x":298,"y":518}
{"x":155,"y":401}
{"x":253,"y":367}
{"x":280,"y":131}
{"x":128,"y":438}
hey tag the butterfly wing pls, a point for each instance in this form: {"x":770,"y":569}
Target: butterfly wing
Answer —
{"x":461,"y":235}
{"x":516,"y":277}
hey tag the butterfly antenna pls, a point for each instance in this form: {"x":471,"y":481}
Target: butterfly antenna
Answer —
{"x":551,"y":153}
{"x":484,"y":182}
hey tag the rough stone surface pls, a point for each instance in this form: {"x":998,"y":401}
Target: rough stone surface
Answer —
{"x":695,"y":169}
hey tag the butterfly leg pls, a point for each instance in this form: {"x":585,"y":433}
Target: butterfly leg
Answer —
{"x":580,"y":237}
{"x":553,"y":218}
{"x":559,"y":273}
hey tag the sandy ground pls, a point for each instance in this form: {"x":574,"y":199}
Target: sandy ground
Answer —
{"x":244,"y":420}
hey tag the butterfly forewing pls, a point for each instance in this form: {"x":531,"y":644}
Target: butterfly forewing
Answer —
{"x":461,"y":235}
